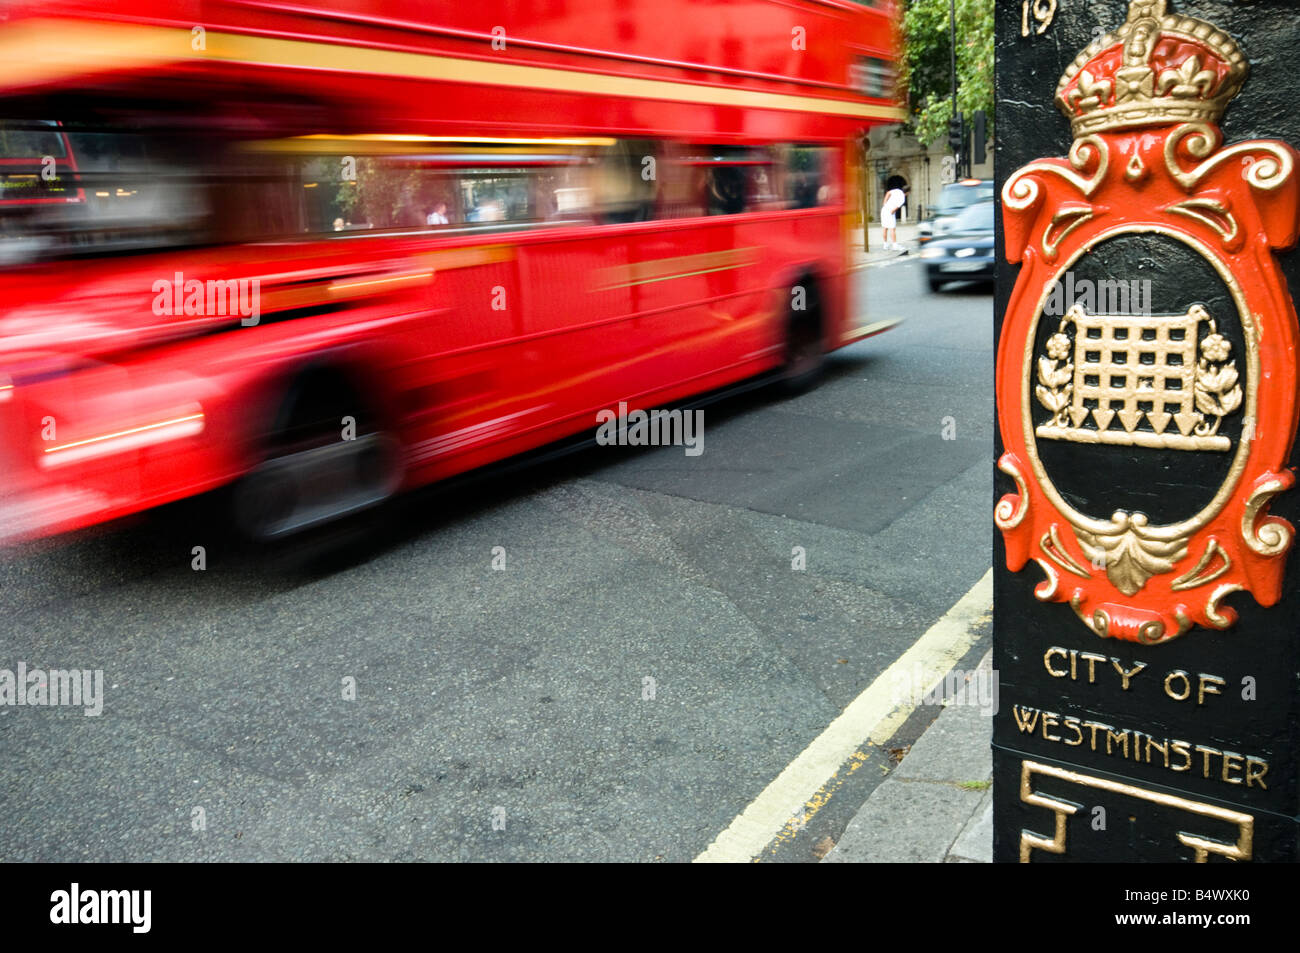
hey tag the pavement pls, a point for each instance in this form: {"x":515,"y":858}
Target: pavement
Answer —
{"x":876,"y":245}
{"x":937,"y":805}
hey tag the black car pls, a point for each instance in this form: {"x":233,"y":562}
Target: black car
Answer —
{"x":966,"y":252}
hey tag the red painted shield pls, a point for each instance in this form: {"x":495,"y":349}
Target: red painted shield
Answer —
{"x":1094,"y":382}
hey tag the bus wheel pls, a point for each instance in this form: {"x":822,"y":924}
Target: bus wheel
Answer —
{"x":805,"y":352}
{"x":326,"y":457}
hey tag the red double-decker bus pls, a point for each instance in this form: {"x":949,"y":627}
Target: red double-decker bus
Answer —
{"x":330,"y":251}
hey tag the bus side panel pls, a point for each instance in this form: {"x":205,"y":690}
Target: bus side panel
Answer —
{"x":698,"y":294}
{"x":577,"y":350}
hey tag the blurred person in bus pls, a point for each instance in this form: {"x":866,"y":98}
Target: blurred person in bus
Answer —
{"x":726,"y":190}
{"x":438,"y":216}
{"x":491,"y":210}
{"x":895,"y":199}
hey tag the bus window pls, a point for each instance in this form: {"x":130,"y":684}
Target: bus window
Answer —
{"x":564,"y":193}
{"x":497,"y":195}
{"x":34,"y":164}
{"x":807,"y":179}
{"x":730,"y":179}
{"x":765,"y":193}
{"x":725,"y":187}
{"x":449,"y":186}
{"x":30,"y":138}
{"x":627,"y":181}
{"x":716,"y":180}
{"x":114,"y":190}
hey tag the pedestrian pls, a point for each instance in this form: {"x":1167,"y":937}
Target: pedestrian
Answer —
{"x":895,"y":199}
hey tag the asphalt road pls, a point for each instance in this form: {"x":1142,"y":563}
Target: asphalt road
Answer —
{"x":509,"y":714}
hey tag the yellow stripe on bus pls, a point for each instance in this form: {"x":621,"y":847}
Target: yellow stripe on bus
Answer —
{"x":46,"y":50}
{"x":679,"y":266}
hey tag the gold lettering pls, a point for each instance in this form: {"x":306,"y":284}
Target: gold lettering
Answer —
{"x":1025,"y":723}
{"x":1073,"y":724}
{"x":1207,"y":686}
{"x":1180,"y":747}
{"x":1093,"y":659}
{"x":1228,"y":759}
{"x":1252,"y":775}
{"x":1112,"y":735}
{"x":1205,"y":757}
{"x":1136,"y":745}
{"x":1047,"y":662}
{"x":1126,"y":675}
{"x":1074,"y":664}
{"x":1094,"y":725}
{"x":1187,"y":685}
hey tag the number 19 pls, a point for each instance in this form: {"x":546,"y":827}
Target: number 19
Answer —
{"x":1043,"y":10}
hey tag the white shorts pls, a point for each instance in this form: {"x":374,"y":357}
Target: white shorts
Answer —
{"x":888,"y":220}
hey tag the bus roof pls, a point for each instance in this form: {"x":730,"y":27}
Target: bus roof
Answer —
{"x":831,"y":59}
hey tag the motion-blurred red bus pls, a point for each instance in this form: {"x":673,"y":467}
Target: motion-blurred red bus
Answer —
{"x":328,"y":251}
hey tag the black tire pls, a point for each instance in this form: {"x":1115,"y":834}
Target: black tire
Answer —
{"x":314,"y":469}
{"x":805,"y":345}
{"x":934,"y":283}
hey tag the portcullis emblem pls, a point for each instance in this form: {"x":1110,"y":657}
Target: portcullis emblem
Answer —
{"x":1145,"y":442}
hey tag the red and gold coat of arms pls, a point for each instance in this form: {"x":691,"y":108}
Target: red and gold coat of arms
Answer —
{"x":1100,"y":384}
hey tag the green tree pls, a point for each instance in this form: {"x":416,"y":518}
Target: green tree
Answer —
{"x":927,"y":72}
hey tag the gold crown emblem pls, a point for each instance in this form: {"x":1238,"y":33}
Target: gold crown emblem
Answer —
{"x":1157,"y":68}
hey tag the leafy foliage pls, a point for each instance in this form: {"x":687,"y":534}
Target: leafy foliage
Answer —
{"x":926,"y":70}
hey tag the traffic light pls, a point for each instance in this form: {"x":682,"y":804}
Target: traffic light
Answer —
{"x":957,"y":139}
{"x":979,"y":137}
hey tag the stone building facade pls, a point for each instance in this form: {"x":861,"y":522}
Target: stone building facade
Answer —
{"x":893,"y":152}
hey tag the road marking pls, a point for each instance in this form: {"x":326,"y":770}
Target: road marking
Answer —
{"x":870,"y":330}
{"x":871,"y":717}
{"x":821,"y":797}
